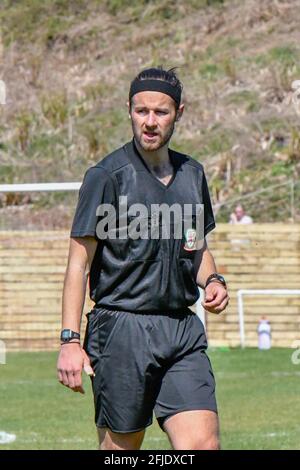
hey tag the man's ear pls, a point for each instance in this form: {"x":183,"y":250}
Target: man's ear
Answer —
{"x":128,"y":106}
{"x":179,"y":112}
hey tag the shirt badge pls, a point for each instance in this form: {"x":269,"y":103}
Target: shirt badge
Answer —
{"x":190,"y":239}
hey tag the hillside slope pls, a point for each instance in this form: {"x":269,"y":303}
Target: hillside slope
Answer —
{"x":67,"y":66}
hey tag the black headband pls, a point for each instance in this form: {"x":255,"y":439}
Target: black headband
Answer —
{"x":155,"y":85}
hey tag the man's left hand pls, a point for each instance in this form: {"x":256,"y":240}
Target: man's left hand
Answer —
{"x":216,"y":298}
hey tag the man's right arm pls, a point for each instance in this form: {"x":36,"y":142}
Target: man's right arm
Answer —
{"x":72,"y":358}
{"x":81,"y":254}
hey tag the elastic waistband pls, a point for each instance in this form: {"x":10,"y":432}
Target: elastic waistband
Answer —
{"x":176,"y":313}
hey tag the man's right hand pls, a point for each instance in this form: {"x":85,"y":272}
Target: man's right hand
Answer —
{"x":71,"y":360}
{"x":233,"y":219}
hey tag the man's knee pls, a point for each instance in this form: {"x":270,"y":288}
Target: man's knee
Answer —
{"x":212,"y":443}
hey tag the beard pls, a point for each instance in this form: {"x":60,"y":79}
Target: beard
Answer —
{"x":160,"y":141}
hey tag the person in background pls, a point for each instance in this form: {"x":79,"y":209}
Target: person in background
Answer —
{"x":239,"y":216}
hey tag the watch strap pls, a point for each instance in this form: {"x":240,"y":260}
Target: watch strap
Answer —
{"x":215,"y":277}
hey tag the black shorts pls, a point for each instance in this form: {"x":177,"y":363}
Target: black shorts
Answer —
{"x":145,"y":362}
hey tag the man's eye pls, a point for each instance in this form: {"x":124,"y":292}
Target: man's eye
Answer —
{"x":141,"y":111}
{"x":161,"y":113}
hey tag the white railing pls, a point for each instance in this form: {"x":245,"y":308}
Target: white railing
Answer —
{"x":8,"y":188}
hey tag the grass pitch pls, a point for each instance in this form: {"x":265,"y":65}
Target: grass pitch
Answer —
{"x":257,"y":391}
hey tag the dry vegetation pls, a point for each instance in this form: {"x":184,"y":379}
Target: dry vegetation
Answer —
{"x":68,"y":64}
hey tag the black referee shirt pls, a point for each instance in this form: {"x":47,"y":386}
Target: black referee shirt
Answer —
{"x":141,"y":274}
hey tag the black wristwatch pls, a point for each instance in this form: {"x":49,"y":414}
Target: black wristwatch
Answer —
{"x":215,"y":277}
{"x":68,"y":335}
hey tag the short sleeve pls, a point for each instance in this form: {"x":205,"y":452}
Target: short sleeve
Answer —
{"x":97,"y":188}
{"x":209,"y":220}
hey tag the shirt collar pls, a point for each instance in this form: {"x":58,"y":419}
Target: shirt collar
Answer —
{"x":138,"y":161}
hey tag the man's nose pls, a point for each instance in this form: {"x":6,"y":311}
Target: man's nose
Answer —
{"x":151,"y":120}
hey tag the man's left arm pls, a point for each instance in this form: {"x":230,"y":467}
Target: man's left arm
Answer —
{"x":216,"y":295}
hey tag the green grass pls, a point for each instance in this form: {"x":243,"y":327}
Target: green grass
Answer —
{"x":257,"y":391}
{"x":245,"y":98}
{"x":285,"y":55}
{"x":52,"y":18}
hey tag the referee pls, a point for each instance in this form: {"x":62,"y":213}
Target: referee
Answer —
{"x":138,"y":235}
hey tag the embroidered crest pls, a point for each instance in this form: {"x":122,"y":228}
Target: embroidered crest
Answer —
{"x":190,"y":239}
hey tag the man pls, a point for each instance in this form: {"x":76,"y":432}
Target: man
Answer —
{"x":143,"y":344}
{"x":239,"y":216}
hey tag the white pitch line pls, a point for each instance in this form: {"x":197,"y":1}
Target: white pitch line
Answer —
{"x":6,"y":438}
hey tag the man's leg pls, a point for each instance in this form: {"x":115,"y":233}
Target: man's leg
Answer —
{"x":126,"y":383}
{"x":193,"y":430}
{"x":109,"y":440}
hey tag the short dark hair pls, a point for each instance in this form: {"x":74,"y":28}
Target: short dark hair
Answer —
{"x":158,"y":73}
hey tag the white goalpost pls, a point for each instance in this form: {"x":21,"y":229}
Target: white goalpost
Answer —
{"x":242,"y":292}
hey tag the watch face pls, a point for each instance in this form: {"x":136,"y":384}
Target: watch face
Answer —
{"x":65,"y":335}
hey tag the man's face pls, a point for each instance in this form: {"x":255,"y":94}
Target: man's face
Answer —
{"x":239,"y":212}
{"x":153,"y":116}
